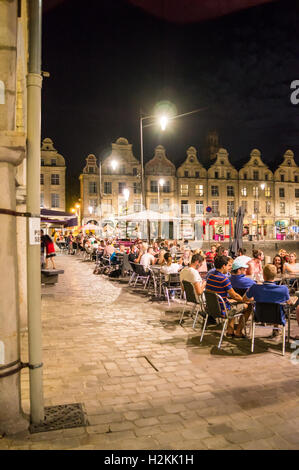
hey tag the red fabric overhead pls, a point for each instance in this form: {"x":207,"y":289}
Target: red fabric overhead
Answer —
{"x":181,"y":11}
{"x":192,"y":11}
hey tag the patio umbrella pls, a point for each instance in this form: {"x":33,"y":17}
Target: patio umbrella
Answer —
{"x":237,"y":241}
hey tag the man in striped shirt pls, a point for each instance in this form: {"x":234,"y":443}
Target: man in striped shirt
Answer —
{"x":219,"y":283}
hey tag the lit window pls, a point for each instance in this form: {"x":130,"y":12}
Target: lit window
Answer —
{"x":199,"y":189}
{"x":244,"y":191}
{"x":184,"y":190}
{"x":267,"y":192}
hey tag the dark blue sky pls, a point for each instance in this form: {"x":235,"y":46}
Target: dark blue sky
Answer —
{"x":110,"y":58}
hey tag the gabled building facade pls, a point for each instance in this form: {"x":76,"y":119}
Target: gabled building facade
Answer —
{"x":52,"y":177}
{"x":197,"y":202}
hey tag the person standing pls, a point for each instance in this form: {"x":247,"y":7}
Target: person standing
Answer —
{"x":50,"y":250}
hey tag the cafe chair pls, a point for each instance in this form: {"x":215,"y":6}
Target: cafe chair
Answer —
{"x":197,"y":303}
{"x":142,"y":275}
{"x":134,"y":273}
{"x":269,"y":314}
{"x":173,"y":284}
{"x":213,"y":303}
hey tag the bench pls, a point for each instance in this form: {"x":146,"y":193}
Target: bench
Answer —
{"x":50,"y":276}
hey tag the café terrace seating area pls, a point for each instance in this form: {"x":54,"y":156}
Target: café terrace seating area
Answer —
{"x":200,"y":312}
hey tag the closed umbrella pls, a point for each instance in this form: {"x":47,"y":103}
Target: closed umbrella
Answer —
{"x":237,"y":241}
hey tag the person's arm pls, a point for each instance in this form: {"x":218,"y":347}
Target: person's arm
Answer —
{"x":199,"y":287}
{"x":137,"y":260}
{"x":233,"y":295}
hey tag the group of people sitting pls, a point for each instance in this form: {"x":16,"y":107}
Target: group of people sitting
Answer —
{"x":238,"y":281}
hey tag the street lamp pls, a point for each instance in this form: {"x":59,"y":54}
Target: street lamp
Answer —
{"x":262,"y":186}
{"x":126,"y":193}
{"x":161,"y":183}
{"x":163,"y":121}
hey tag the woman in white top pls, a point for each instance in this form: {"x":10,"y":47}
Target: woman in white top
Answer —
{"x":170,"y":267}
{"x":291,"y":267}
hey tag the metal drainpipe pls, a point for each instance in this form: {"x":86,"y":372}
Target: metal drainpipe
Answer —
{"x":34,"y":85}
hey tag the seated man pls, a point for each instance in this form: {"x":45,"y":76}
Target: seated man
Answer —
{"x":269,"y":292}
{"x":219,"y":283}
{"x":229,"y":267}
{"x":133,"y":255}
{"x":238,"y":278}
{"x":147,"y":258}
{"x":191,"y":274}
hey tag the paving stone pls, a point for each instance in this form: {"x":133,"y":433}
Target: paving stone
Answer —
{"x":249,"y":401}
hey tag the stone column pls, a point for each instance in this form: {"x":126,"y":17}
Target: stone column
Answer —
{"x":12,"y":151}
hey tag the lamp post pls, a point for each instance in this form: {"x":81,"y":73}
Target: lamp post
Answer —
{"x":161,"y":183}
{"x":163,"y":121}
{"x":262,"y":186}
{"x":78,"y":213}
{"x":126,"y":193}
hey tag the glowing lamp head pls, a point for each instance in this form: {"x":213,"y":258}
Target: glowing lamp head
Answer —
{"x":90,"y":209}
{"x":77,"y":206}
{"x":163,"y":122}
{"x":263,"y":186}
{"x":73,"y":210}
{"x":161,"y":182}
{"x":114,"y":164}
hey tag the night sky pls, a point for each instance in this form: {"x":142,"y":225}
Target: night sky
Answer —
{"x":111,"y":58}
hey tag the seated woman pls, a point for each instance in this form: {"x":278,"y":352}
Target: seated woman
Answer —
{"x":160,"y":256}
{"x":169,"y":267}
{"x":278,"y":263}
{"x":186,"y":258}
{"x":255,"y":265}
{"x":292,"y":267}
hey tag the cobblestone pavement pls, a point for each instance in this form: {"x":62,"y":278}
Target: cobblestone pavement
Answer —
{"x":146,"y":382}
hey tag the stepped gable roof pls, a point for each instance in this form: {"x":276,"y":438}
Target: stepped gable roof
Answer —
{"x":49,"y":152}
{"x":160,"y":164}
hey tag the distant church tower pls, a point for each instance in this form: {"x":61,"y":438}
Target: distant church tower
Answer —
{"x":212,"y":146}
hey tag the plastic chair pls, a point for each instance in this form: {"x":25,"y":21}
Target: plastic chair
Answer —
{"x":214,"y":302}
{"x":141,"y":275}
{"x":269,"y":313}
{"x":196,"y":300}
{"x":173,"y":284}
